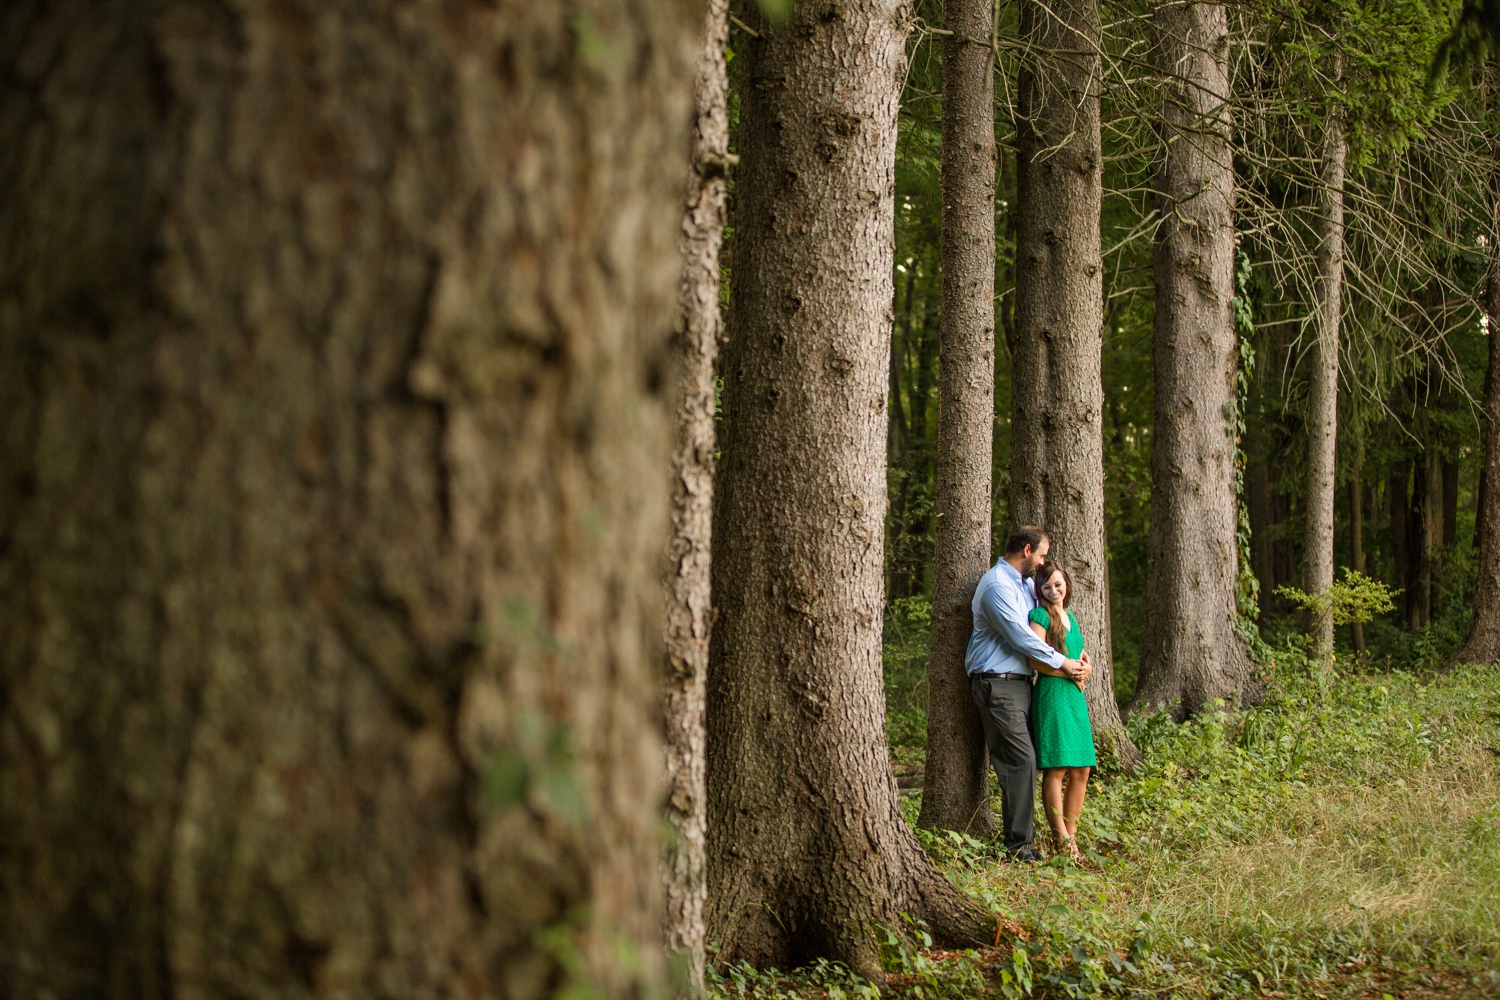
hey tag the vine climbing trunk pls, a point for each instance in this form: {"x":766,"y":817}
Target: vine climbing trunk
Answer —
{"x":1193,"y":652}
{"x":695,"y":347}
{"x":1482,"y":643}
{"x":956,"y":787}
{"x":1057,"y":463}
{"x":1323,"y":382}
{"x":812,"y":850}
{"x":332,"y":374}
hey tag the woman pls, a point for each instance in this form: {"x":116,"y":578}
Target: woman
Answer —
{"x":1059,"y":712}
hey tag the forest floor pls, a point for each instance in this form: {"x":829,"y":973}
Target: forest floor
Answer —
{"x":1341,"y":840}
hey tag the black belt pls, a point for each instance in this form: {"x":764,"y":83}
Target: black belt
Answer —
{"x":1006,"y":677}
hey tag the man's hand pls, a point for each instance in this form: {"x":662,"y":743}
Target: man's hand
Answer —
{"x":1077,"y":670}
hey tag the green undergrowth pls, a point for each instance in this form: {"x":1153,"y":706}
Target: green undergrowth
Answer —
{"x":1342,"y":839}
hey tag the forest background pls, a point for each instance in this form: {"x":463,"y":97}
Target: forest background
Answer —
{"x":360,"y":364}
{"x":1412,"y":371}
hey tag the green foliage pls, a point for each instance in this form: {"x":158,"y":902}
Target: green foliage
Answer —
{"x":1383,"y":50}
{"x":1475,"y":35}
{"x":1353,"y":598}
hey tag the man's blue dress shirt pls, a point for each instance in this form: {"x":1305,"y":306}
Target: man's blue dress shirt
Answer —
{"x":1003,"y":641}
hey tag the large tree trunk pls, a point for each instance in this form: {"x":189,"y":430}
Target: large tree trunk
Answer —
{"x":695,"y":348}
{"x":1323,"y":384}
{"x":333,"y":497}
{"x":956,"y":788}
{"x":1057,"y":457}
{"x":1482,"y":644}
{"x":811,"y":849}
{"x":1192,"y":650}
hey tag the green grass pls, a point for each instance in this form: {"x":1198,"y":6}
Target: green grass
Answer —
{"x":1340,"y":840}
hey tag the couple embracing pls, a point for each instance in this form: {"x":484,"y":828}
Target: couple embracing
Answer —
{"x":1027,"y":665}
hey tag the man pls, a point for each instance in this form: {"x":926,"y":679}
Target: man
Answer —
{"x":998,"y":662}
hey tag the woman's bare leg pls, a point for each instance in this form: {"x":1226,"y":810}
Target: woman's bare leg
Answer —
{"x":1078,"y":786}
{"x":1052,"y":801}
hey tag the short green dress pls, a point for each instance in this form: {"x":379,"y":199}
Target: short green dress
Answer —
{"x":1059,"y":712}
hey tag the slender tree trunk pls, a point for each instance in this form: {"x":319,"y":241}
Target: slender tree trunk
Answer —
{"x":1432,"y":535}
{"x":1396,"y":499}
{"x":1357,"y":544}
{"x":1057,"y":457}
{"x":1258,"y":499}
{"x":1192,"y":651}
{"x":898,"y":429}
{"x":1482,"y":644}
{"x":956,"y":787}
{"x":917,"y":485}
{"x":898,"y":582}
{"x":1323,"y":383}
{"x":1450,"y":503}
{"x":812,"y":847}
{"x":1419,"y":527}
{"x":689,"y":608}
{"x":333,"y":497}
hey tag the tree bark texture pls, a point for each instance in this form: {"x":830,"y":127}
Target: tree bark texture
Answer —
{"x":1323,"y":384}
{"x":1192,"y":652}
{"x":1482,"y":643}
{"x":810,"y":848}
{"x":956,"y":787}
{"x":1057,"y":457}
{"x":333,"y":348}
{"x":689,"y":608}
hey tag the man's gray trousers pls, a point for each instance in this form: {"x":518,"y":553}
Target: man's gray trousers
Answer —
{"x":1005,"y":708}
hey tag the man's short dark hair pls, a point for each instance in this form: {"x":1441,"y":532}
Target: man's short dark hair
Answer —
{"x":1026,"y":534}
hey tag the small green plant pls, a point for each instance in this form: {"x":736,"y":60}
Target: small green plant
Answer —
{"x":1353,"y":598}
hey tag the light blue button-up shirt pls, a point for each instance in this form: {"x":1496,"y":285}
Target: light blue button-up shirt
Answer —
{"x":1003,"y":641}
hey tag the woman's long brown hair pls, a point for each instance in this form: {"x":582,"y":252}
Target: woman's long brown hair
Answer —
{"x":1057,"y":631}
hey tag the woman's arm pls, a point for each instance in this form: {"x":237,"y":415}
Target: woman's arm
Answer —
{"x":1042,"y":668}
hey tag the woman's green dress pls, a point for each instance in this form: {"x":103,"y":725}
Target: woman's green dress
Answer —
{"x":1059,"y":713}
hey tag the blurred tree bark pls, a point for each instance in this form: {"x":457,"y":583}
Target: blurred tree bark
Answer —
{"x":333,"y":355}
{"x":956,"y":785}
{"x":811,"y":849}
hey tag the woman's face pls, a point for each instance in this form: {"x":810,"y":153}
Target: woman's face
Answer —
{"x":1055,"y":590}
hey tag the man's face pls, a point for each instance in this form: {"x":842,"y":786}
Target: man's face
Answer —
{"x":1032,"y":558}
